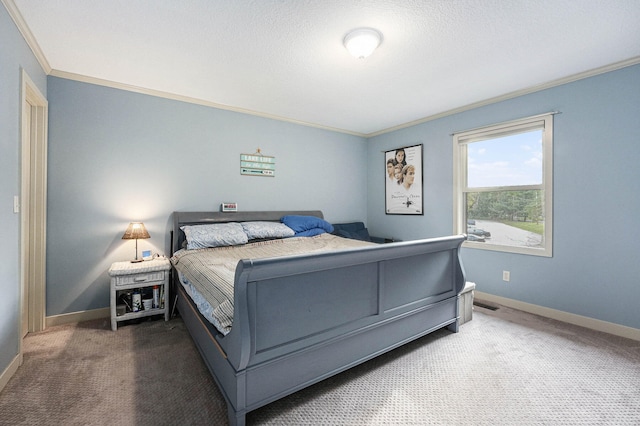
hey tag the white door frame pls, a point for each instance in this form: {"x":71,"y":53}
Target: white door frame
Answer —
{"x":33,"y":197}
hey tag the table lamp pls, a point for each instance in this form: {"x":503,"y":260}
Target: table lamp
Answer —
{"x":134,"y":231}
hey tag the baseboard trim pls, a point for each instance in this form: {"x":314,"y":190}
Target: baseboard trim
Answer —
{"x":11,"y":369}
{"x":78,"y":316}
{"x":591,"y":323}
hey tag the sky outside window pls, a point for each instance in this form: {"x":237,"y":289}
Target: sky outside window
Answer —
{"x":507,"y":161}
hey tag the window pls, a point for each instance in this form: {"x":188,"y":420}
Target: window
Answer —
{"x":504,"y":186}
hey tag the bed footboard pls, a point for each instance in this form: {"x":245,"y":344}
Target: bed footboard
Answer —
{"x":301,"y":319}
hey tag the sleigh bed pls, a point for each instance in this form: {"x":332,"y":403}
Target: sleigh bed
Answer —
{"x":298,"y":319}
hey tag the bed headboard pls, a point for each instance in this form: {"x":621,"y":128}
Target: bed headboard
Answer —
{"x":201,"y":218}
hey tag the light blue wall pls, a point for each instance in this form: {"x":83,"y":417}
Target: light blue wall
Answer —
{"x":595,"y":269}
{"x":14,"y":56}
{"x":117,"y":156}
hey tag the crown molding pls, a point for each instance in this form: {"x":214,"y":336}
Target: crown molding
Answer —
{"x":189,"y":99}
{"x":37,"y":51}
{"x":152,"y":92}
{"x":27,"y":34}
{"x":570,"y":79}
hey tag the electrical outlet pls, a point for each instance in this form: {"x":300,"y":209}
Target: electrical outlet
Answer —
{"x":229,"y":207}
{"x":506,"y":276}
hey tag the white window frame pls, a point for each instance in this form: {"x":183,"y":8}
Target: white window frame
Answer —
{"x":460,"y":142}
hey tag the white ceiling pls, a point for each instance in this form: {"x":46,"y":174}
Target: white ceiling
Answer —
{"x":285,"y":58}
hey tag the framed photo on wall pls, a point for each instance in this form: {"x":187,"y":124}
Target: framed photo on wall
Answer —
{"x":403,"y":180}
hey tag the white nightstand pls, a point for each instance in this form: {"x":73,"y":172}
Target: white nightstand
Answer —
{"x":143,"y":276}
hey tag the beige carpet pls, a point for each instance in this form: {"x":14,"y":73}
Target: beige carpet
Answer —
{"x":503,"y":368}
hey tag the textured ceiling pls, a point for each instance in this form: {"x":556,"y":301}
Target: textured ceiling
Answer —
{"x":285,"y":58}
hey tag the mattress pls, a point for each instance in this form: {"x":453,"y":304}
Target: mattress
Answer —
{"x":208,"y":274}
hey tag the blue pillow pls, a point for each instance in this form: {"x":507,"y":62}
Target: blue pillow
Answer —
{"x":310,"y":232}
{"x":302,"y":224}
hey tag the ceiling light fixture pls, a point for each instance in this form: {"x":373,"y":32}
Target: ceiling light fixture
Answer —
{"x":362,"y":42}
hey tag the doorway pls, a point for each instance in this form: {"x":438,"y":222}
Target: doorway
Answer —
{"x":32,"y":205}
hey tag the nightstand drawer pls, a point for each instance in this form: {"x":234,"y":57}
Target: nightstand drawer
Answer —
{"x":140,"y":278}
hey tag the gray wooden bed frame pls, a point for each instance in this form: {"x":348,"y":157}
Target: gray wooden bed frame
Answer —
{"x":301,"y":319}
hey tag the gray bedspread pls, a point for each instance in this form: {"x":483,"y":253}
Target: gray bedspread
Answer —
{"x":212,"y":270}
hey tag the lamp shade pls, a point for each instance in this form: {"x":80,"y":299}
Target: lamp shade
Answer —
{"x":362,"y":42}
{"x":135,"y":230}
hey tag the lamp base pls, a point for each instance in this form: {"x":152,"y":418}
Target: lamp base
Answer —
{"x":137,"y":260}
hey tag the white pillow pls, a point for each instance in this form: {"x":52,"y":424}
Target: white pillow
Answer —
{"x":257,"y":230}
{"x":214,"y":235}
